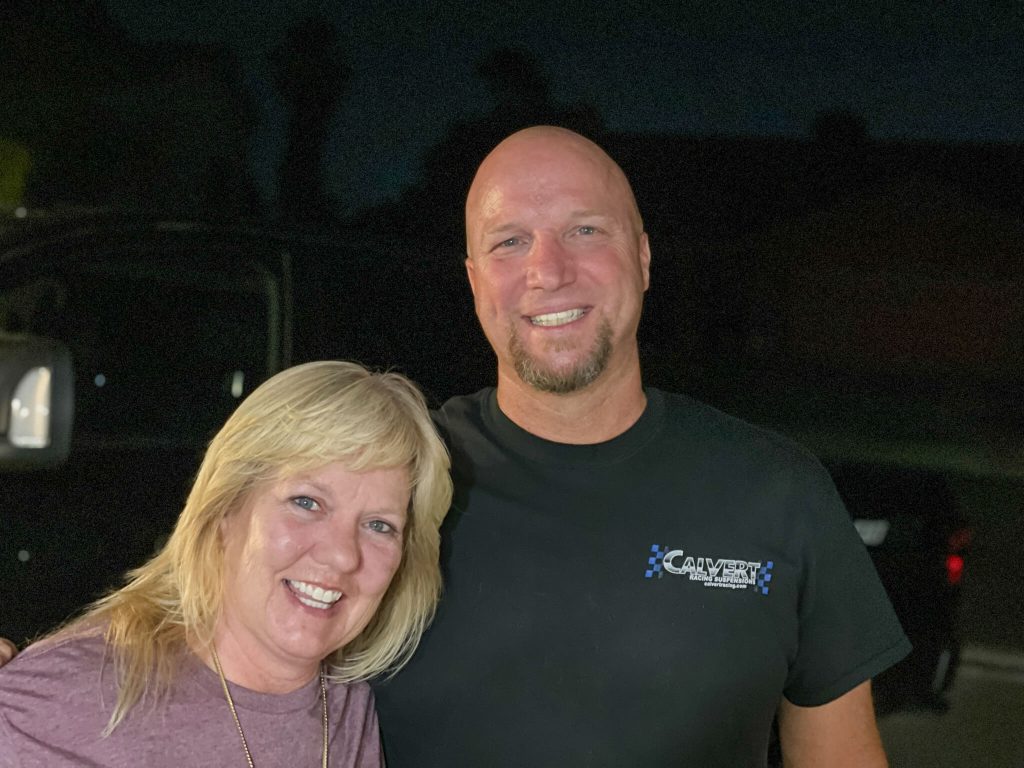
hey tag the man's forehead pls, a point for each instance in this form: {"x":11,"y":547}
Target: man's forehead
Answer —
{"x":543,"y":170}
{"x":545,"y":175}
{"x":498,"y":211}
{"x":520,"y":189}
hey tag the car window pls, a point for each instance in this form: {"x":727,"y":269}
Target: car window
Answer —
{"x":161,"y":353}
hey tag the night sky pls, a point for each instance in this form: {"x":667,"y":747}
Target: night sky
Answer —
{"x":951,"y":71}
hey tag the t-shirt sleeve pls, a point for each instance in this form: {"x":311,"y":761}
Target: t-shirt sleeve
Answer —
{"x":848,"y":631}
{"x":43,"y":685}
{"x":362,"y":717}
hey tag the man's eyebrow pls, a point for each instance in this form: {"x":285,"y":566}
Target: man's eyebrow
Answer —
{"x":502,"y":229}
{"x":590,"y":213}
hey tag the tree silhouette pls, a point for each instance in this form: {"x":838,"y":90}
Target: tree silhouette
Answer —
{"x":110,"y":120}
{"x":310,"y":73}
{"x":839,"y":128}
{"x":839,"y":154}
{"x":516,"y":81}
{"x":522,"y":97}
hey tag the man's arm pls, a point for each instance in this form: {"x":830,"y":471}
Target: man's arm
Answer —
{"x":840,"y":734}
{"x":7,"y":650}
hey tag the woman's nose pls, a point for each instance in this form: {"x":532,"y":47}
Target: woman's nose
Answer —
{"x":339,"y":548}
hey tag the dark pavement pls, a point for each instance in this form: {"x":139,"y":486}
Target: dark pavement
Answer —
{"x":983,"y":728}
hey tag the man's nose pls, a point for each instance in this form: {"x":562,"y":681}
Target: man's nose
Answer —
{"x":549,"y":264}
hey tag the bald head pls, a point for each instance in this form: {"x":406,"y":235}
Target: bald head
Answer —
{"x":544,"y":156}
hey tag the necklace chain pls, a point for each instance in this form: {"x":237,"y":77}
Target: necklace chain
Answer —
{"x":238,"y":724}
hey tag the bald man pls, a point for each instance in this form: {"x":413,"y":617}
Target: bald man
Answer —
{"x":631,"y":577}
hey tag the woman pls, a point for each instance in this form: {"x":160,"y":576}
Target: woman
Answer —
{"x":304,"y":562}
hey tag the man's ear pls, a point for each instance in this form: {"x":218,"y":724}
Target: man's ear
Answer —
{"x":471,"y":273}
{"x":645,"y":259}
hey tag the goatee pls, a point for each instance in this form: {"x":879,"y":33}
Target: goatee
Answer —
{"x":562,"y":382}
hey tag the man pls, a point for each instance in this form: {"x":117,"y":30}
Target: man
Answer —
{"x":631,"y":578}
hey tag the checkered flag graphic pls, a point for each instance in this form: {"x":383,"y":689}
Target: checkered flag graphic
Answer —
{"x":654,"y":562}
{"x":764,"y":577}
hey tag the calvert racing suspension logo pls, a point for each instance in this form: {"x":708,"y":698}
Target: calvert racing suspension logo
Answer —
{"x":722,"y":572}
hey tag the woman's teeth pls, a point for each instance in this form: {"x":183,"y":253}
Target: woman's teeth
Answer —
{"x":314,"y":596}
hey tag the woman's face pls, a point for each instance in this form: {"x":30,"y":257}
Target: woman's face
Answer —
{"x":307,"y":561}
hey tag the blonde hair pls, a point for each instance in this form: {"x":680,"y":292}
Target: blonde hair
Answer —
{"x":299,"y":420}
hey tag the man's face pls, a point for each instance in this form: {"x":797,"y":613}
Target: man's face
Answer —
{"x":557,"y":262}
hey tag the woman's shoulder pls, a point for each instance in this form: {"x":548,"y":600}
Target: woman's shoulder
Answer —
{"x":55,"y":667}
{"x":355,"y":694}
{"x":352,"y":704}
{"x":67,"y":678}
{"x":79,"y":642}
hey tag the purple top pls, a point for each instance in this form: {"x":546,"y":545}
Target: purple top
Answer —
{"x":56,"y":698}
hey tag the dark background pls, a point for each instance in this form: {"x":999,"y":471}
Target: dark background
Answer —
{"x":831,"y":189}
{"x":391,"y":79}
{"x":834,"y":191}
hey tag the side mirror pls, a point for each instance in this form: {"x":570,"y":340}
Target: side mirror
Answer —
{"x":36,"y":402}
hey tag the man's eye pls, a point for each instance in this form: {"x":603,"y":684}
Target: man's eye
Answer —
{"x":587,"y":230}
{"x":305,"y":503}
{"x":511,"y":242}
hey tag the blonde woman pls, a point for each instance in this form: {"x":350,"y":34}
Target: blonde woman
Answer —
{"x":304,"y":562}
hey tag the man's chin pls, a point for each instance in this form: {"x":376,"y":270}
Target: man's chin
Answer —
{"x":567,"y":377}
{"x":561,"y":380}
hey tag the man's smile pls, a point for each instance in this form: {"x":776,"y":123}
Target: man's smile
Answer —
{"x":558,"y":318}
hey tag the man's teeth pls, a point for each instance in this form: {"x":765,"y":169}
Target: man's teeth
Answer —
{"x":557,"y":318}
{"x":314,"y":596}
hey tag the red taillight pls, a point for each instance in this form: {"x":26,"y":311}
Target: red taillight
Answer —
{"x":954,"y":569}
{"x":957,"y":544}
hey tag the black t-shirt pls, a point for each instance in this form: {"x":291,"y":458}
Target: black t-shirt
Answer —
{"x":644,"y":601}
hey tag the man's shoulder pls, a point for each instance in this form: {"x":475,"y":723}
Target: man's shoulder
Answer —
{"x":460,"y":405}
{"x":714,"y":432}
{"x":686,"y":422}
{"x":704,"y":419}
{"x":460,"y":412}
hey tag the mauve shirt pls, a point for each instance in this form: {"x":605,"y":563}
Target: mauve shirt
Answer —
{"x":56,"y":698}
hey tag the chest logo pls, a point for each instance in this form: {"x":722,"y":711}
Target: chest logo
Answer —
{"x":721,"y":572}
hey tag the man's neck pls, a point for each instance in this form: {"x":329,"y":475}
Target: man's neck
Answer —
{"x":600,"y":412}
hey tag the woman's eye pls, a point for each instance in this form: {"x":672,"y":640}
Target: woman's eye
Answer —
{"x":305,"y":503}
{"x":382,"y":526}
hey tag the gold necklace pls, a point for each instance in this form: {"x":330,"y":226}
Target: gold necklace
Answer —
{"x":238,"y":724}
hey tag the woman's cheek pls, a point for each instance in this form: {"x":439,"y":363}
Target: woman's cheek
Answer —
{"x":287,"y":542}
